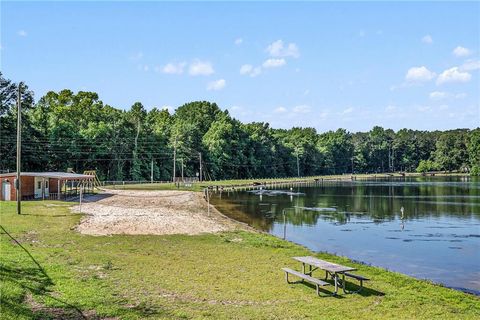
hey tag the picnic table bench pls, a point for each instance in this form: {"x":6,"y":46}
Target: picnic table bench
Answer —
{"x":331,"y":269}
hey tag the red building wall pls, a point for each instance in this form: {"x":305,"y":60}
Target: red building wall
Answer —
{"x":28,"y":187}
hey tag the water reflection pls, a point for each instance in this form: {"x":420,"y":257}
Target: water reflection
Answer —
{"x":386,"y":222}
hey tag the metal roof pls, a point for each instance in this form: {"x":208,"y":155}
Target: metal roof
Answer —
{"x":55,"y":175}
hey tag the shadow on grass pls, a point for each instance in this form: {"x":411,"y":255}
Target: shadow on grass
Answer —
{"x":365,"y":292}
{"x":43,"y":215}
{"x":34,"y":280}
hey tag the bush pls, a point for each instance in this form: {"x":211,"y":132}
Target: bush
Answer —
{"x":475,"y":171}
{"x":426,"y":166}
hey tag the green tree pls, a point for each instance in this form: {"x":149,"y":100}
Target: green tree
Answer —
{"x":473,"y":148}
{"x":451,"y":150}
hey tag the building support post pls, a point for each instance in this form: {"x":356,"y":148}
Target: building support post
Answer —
{"x":58,"y":189}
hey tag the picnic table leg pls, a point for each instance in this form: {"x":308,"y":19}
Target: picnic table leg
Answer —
{"x":335,"y":279}
{"x":344,"y":285}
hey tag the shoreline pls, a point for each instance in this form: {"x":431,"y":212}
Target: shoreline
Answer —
{"x":472,"y":292}
{"x":253,"y":183}
{"x":468,"y":291}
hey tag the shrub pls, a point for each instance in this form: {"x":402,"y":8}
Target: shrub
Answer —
{"x":426,"y":165}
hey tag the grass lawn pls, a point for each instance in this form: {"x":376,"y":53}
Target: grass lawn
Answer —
{"x":48,"y":270}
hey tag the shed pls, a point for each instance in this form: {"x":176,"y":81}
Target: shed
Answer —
{"x":44,"y":185}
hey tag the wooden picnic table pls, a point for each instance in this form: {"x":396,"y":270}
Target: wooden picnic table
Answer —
{"x":332,"y":269}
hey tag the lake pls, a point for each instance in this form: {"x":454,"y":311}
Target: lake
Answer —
{"x":436,"y":238}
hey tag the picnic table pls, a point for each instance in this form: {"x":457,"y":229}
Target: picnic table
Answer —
{"x":337,"y":273}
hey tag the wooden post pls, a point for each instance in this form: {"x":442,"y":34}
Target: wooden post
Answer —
{"x":43,"y":188}
{"x":208,"y":202}
{"x":80,"y":201}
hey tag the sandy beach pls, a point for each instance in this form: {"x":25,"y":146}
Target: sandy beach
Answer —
{"x":150,"y":212}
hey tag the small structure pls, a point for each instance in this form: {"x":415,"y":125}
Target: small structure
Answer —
{"x":45,"y":185}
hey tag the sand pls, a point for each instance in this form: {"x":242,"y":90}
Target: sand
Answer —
{"x":150,"y":212}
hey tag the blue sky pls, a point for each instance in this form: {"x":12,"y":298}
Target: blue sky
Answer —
{"x":325,"y":65}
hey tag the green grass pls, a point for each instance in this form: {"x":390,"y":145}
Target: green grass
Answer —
{"x":232,"y":275}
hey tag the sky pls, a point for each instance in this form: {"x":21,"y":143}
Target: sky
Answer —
{"x":317,"y":64}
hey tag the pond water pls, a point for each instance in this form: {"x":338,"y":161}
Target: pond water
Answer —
{"x":436,"y":238}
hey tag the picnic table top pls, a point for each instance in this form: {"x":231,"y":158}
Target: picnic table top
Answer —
{"x":325,"y":265}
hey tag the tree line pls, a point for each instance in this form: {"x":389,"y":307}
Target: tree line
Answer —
{"x":77,"y":130}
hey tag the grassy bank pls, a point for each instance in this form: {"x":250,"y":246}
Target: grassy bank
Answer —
{"x":49,"y":270}
{"x":249,"y":182}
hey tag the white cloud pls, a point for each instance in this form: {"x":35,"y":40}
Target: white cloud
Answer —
{"x":347,"y":111}
{"x":216,"y":85}
{"x":168,"y":108}
{"x":470,"y":65}
{"x":174,"y":68}
{"x":461,"y":52}
{"x":238,"y":41}
{"x":427,"y":39}
{"x":274,"y":63}
{"x":419,"y":74}
{"x":22,"y":33}
{"x":424,"y":108}
{"x":256,"y":71}
{"x":453,"y":75}
{"x":278,"y":49}
{"x":438,"y":95}
{"x":280,"y":110}
{"x":246,"y":69}
{"x":302,"y":109}
{"x":200,"y":68}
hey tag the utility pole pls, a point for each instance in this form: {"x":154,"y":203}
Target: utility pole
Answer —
{"x":389,"y":158}
{"x":151,"y":171}
{"x":298,"y":167}
{"x":18,"y":185}
{"x":182,"y":168}
{"x":201,"y":169}
{"x":174,"y":158}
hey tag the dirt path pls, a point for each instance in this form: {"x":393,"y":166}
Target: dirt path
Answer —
{"x":150,"y":212}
